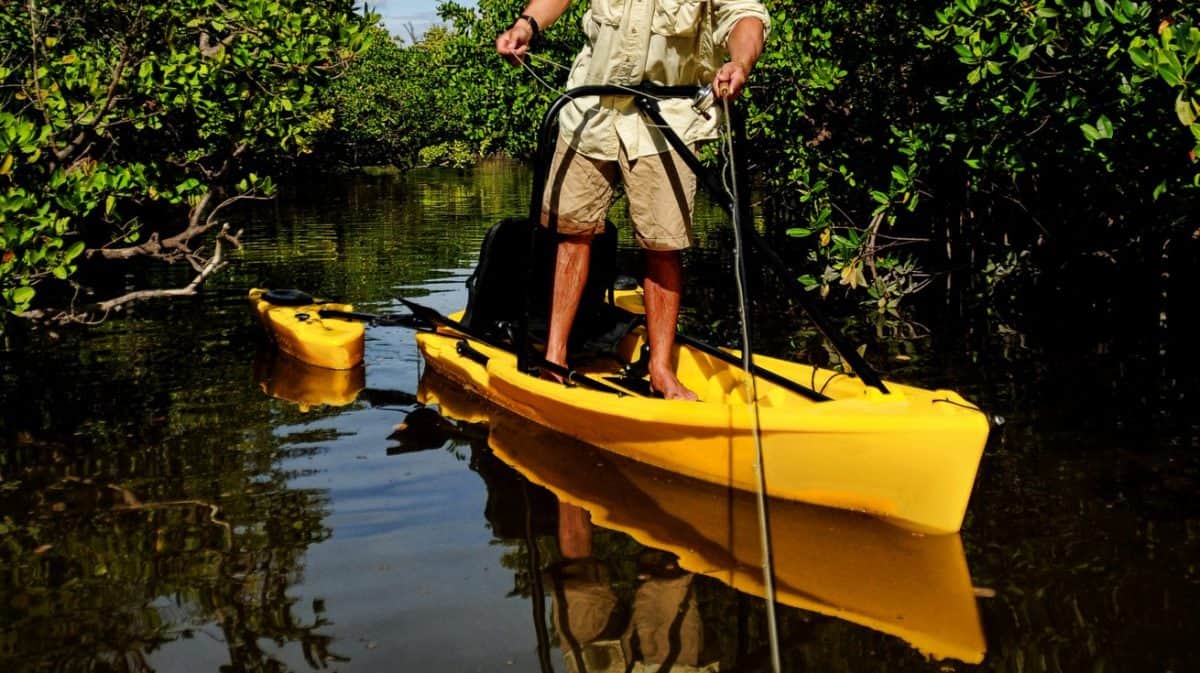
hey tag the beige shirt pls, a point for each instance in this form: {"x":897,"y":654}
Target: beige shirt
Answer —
{"x":668,"y":42}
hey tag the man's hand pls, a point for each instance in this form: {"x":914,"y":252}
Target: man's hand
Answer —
{"x":745,"y":46}
{"x":514,"y":42}
{"x":730,"y":80}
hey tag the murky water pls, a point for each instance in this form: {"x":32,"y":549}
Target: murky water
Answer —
{"x":174,"y":498}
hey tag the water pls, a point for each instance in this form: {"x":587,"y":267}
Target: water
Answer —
{"x":167,"y":504}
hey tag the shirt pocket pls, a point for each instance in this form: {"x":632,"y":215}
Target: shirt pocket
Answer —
{"x":608,"y":12}
{"x":677,"y":18}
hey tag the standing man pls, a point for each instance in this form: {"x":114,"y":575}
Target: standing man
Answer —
{"x":667,"y":42}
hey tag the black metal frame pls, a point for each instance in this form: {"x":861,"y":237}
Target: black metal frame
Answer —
{"x":646,"y":98}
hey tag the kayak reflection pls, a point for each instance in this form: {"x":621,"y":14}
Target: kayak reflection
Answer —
{"x":849,"y":566}
{"x":307,"y":386}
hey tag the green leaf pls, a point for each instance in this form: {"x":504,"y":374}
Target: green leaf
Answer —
{"x":1170,"y":73}
{"x":74,"y":251}
{"x":1140,"y":58}
{"x":22,"y":296}
{"x":799,"y":232}
{"x":1185,"y":109}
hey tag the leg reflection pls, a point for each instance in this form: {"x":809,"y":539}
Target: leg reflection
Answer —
{"x":658,"y":628}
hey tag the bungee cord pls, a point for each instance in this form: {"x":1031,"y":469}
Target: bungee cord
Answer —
{"x":566,"y":94}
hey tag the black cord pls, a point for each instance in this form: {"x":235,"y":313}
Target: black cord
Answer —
{"x":827,"y":381}
{"x":957,"y":404}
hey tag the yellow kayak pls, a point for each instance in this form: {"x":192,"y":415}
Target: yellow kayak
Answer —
{"x":909,"y":455}
{"x":293,"y":320}
{"x":841,"y":564}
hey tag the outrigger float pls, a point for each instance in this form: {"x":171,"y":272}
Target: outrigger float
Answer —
{"x":849,"y":440}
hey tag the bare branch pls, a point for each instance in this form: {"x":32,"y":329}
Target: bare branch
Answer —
{"x":104,"y":308}
{"x":99,"y":312}
{"x":154,"y":246}
{"x":212,"y":51}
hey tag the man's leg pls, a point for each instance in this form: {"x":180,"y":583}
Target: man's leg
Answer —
{"x":661,"y":189}
{"x":663,"y":284}
{"x":570,"y":275}
{"x":576,"y":199}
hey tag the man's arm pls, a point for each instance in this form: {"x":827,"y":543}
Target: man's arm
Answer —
{"x":514,"y":42}
{"x":745,"y":46}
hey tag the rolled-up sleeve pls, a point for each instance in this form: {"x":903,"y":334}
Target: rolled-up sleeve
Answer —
{"x":729,"y":12}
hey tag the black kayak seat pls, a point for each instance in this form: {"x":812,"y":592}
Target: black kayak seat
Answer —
{"x":497,"y":288}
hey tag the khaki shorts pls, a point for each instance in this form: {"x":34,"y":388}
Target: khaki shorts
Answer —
{"x":661,"y":190}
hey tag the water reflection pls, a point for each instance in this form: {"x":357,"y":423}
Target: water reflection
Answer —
{"x":659,"y":627}
{"x":415,"y":553}
{"x":835,"y":563}
{"x":307,"y":386}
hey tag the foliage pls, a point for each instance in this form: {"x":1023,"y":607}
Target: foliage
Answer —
{"x":126,"y":128}
{"x":898,"y":141}
{"x":455,"y":154}
{"x":446,"y":98}
{"x":392,"y":102}
{"x":499,"y":107}
{"x":987,"y":129}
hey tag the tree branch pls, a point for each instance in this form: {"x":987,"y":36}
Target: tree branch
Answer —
{"x":210,"y":266}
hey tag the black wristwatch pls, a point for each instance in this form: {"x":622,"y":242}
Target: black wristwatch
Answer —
{"x":532,"y":24}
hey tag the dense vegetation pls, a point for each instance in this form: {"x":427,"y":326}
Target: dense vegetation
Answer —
{"x":903,"y":140}
{"x":127,"y":128}
{"x":894,"y":142}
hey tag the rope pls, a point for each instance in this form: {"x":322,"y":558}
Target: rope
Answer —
{"x":729,"y":179}
{"x":563,"y":92}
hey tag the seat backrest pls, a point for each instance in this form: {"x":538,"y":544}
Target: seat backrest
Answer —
{"x":497,"y":288}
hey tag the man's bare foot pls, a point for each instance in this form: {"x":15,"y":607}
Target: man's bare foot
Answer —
{"x":667,"y":384}
{"x":549,"y":374}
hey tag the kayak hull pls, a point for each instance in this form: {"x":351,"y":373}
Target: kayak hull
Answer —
{"x":910,"y":456}
{"x":300,"y":332}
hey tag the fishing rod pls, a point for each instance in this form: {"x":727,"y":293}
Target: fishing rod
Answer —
{"x":764,"y":532}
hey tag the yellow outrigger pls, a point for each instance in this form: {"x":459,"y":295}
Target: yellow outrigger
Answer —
{"x":295,"y":322}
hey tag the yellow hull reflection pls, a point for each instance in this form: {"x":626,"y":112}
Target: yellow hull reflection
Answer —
{"x":842,"y":564}
{"x":305,"y":385}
